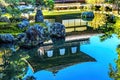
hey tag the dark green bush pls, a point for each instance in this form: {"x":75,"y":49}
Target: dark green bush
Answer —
{"x":13,"y":29}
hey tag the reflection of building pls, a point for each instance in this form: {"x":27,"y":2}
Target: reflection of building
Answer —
{"x":67,"y":48}
{"x":54,"y":59}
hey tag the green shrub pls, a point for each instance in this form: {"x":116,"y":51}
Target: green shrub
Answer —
{"x":13,"y":29}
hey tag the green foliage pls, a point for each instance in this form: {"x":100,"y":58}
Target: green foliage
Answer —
{"x":29,"y":1}
{"x":115,"y":73}
{"x":41,"y":24}
{"x":12,"y":2}
{"x":3,"y":3}
{"x":112,"y":72}
{"x":39,"y":2}
{"x":108,"y":30}
{"x":99,"y":20}
{"x":49,"y":4}
{"x":16,"y":67}
{"x":0,"y":12}
{"x":15,"y":12}
{"x":25,"y":10}
{"x":13,"y":29}
{"x":10,"y":28}
{"x":109,"y":1}
{"x":117,"y":27}
{"x":108,"y":27}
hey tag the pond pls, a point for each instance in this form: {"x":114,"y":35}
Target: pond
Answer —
{"x":71,"y":61}
{"x":104,"y":53}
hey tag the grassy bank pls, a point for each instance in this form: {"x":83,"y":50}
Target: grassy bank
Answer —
{"x":12,"y":28}
{"x":61,"y":12}
{"x":51,"y":13}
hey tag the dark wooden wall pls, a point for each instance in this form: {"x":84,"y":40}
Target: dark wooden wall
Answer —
{"x":69,"y":1}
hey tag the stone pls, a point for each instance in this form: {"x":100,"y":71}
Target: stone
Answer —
{"x":48,"y":24}
{"x":35,"y":33}
{"x":33,"y":36}
{"x":4,"y":19}
{"x":39,"y":16}
{"x":57,"y":32}
{"x":20,"y":36}
{"x":23,"y":24}
{"x":87,"y":16}
{"x":57,"y":29}
{"x":6,"y":38}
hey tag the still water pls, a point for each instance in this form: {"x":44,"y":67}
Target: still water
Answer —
{"x":104,"y":53}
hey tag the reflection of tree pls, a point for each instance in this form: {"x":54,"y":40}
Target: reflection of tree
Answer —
{"x":14,"y":65}
{"x":118,"y":63}
{"x":109,"y":27}
{"x":108,"y":30}
{"x":54,"y":72}
{"x":98,"y":20}
{"x":115,"y":74}
{"x":117,"y":27}
{"x":30,"y":78}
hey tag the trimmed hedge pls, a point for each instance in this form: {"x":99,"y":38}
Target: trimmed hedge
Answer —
{"x":13,"y":29}
{"x":9,"y":28}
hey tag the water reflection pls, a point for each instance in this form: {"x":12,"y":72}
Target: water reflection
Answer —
{"x":79,"y":23}
{"x":15,"y":63}
{"x":60,"y":63}
{"x":50,"y":53}
{"x":63,"y":66}
{"x":74,"y":49}
{"x":105,"y":54}
{"x":98,"y":20}
{"x":62,"y":51}
{"x":115,"y":72}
